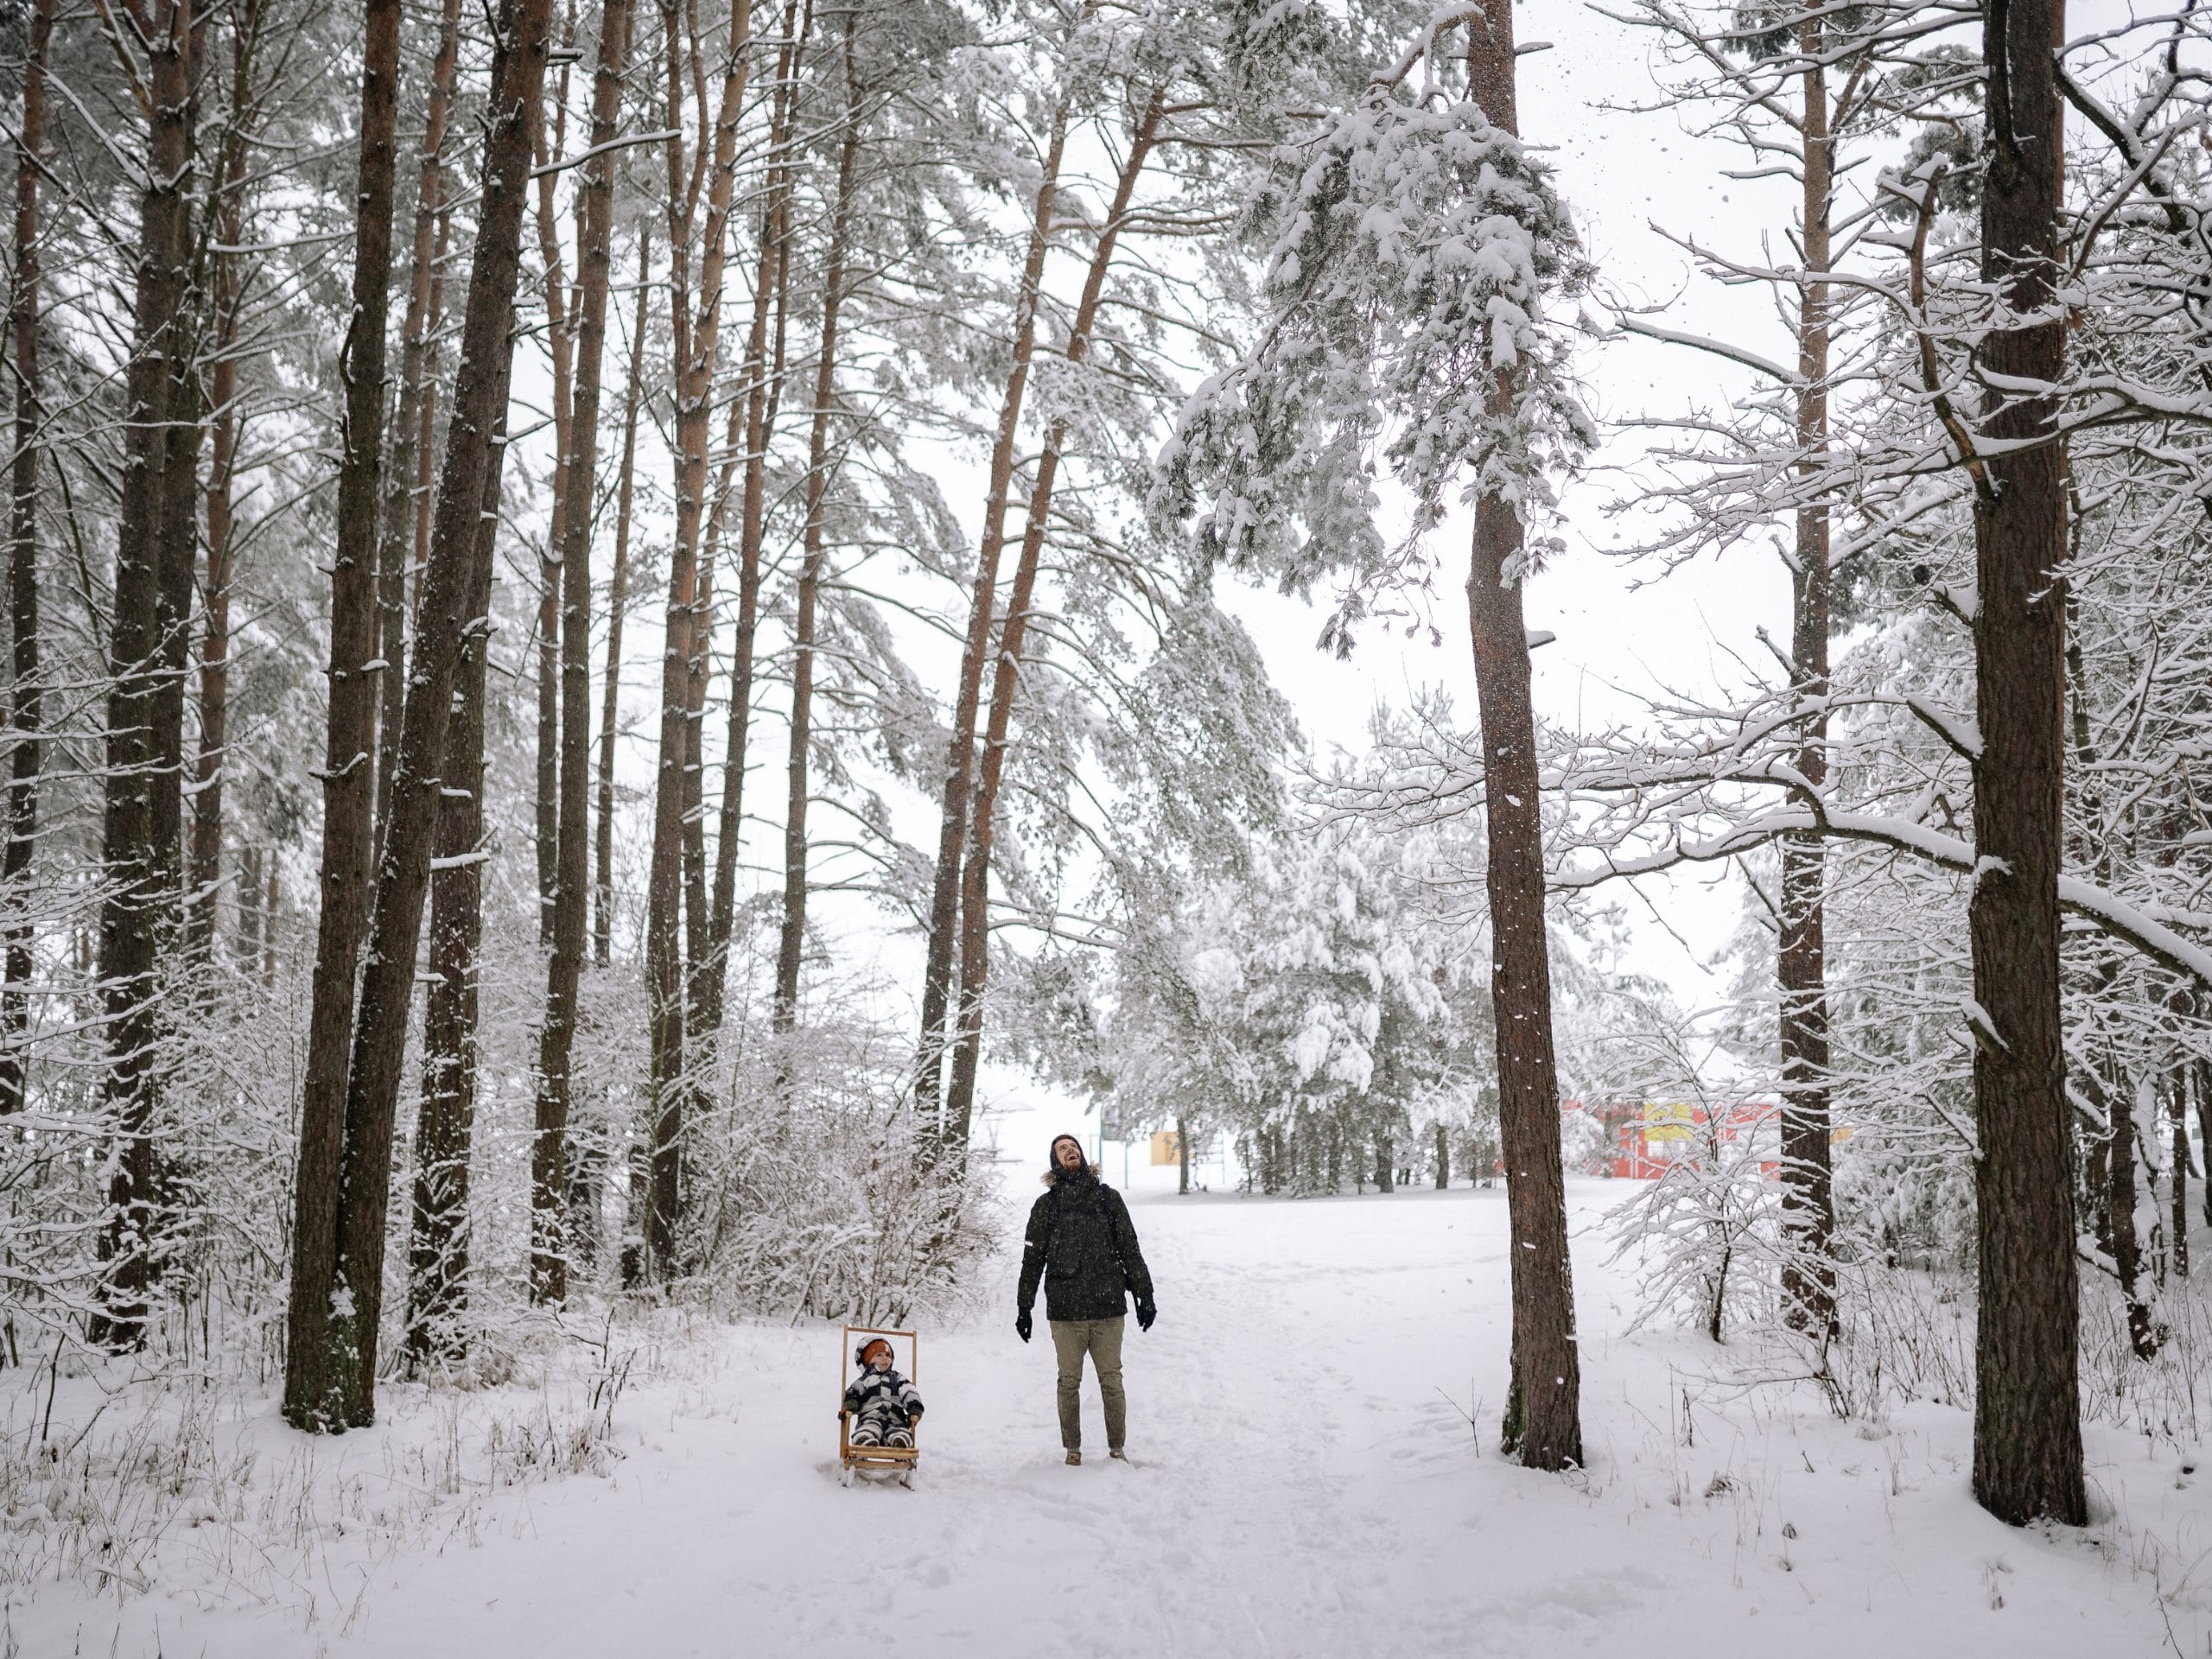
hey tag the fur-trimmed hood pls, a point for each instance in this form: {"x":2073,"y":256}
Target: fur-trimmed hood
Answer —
{"x":1052,"y":1170}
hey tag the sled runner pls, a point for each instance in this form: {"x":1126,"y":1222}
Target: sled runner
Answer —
{"x":876,"y":1459}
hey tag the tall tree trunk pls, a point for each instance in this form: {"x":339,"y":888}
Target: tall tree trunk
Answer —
{"x":410,"y":427}
{"x":790,"y":946}
{"x":701,"y":981}
{"x":764,"y":384}
{"x":560,"y":345}
{"x":204,"y":874}
{"x":694,"y":342}
{"x":2027,"y":1411}
{"x":2122,"y":1173}
{"x":548,"y":1277}
{"x":618,"y":595}
{"x":445,"y":1133}
{"x":445,"y":612}
{"x":26,"y":702}
{"x":2177,"y":1092}
{"x":2200,"y":1088}
{"x":1443,"y":1158}
{"x":132,"y":917}
{"x":247,"y":947}
{"x":663,"y":883}
{"x":1808,"y":1201}
{"x":1543,"y":1424}
{"x":318,"y":1382}
{"x":960,"y":759}
{"x":180,"y":565}
{"x":976,"y":873}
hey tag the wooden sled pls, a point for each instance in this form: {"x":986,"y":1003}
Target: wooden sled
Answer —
{"x":876,"y":1459}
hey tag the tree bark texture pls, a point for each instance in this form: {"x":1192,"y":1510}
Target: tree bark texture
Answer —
{"x":1543,"y":1423}
{"x":438,"y":1242}
{"x":2027,"y":1462}
{"x":694,"y":412}
{"x":466,"y":476}
{"x":2124,"y":1175}
{"x":2176,"y":1094}
{"x":133,"y":917}
{"x":560,"y":339}
{"x":960,"y":759}
{"x":791,"y":942}
{"x":1808,"y":1198}
{"x":318,"y":1382}
{"x":695,"y":337}
{"x":594,"y":249}
{"x":764,"y":382}
{"x":26,"y":702}
{"x":1006,"y":682}
{"x":618,"y":595}
{"x":410,"y":429}
{"x":205,"y":867}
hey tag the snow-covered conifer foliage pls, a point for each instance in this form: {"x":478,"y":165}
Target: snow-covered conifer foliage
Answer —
{"x":1418,"y":251}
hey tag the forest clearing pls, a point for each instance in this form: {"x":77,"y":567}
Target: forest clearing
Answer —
{"x":1304,"y":1482}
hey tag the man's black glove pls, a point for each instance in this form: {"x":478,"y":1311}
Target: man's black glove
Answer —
{"x":1146,"y":1313}
{"x":1021,"y":1325}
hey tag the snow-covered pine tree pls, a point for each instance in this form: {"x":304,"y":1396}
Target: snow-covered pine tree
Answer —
{"x":1419,"y":244}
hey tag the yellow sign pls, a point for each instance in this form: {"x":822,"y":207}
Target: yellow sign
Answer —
{"x":1668,"y":1121}
{"x":1164,"y":1149}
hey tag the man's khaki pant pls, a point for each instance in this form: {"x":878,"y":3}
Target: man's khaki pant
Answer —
{"x":1101,"y":1340}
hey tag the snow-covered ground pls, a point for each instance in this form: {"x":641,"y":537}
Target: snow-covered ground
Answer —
{"x":1304,"y":1483}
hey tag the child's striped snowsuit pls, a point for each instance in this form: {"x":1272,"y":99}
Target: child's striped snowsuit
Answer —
{"x":883,"y":1406}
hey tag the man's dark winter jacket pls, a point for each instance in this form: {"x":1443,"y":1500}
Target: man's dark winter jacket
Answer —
{"x":1082,"y":1245}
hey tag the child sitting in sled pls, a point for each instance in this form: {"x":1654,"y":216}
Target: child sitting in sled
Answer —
{"x":882,"y":1405}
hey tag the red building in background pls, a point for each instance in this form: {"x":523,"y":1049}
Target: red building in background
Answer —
{"x":1643,"y":1138}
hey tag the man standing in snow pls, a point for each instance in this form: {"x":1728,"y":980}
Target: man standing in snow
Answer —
{"x":1082,"y":1245}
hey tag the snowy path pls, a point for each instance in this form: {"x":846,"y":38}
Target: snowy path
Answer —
{"x":1301,"y":1488}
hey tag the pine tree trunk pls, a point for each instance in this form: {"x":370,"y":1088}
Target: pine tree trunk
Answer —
{"x":207,"y":864}
{"x":1443,"y":1159}
{"x":412,"y":431}
{"x":790,"y":946}
{"x":594,"y":249}
{"x":318,"y":1382}
{"x":701,"y":985}
{"x":468,"y":473}
{"x":2027,"y":1410}
{"x":205,"y":869}
{"x":247,"y":947}
{"x":764,"y":383}
{"x":561,"y":344}
{"x":426,"y":442}
{"x":1543,"y":1423}
{"x":2200,"y":1082}
{"x":2177,"y":1093}
{"x":438,"y":1244}
{"x":26,"y":702}
{"x":2122,"y":1173}
{"x":180,"y":567}
{"x":618,"y":596}
{"x":944,"y":918}
{"x":133,"y":917}
{"x":975,"y":871}
{"x":695,"y":339}
{"x":1808,"y":1200}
